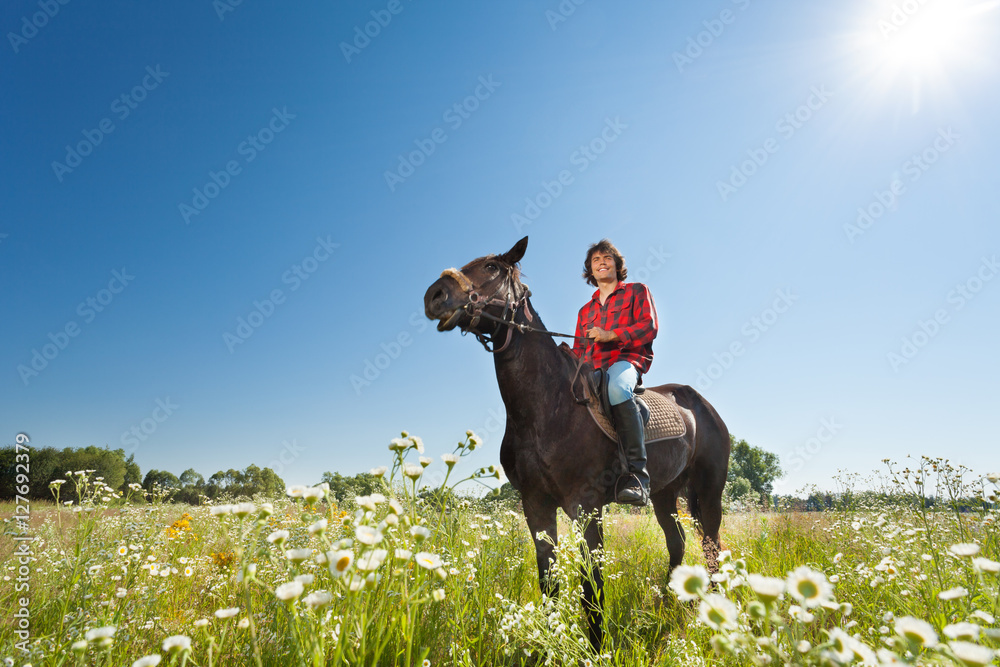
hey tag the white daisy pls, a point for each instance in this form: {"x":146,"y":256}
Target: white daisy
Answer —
{"x":177,"y":643}
{"x":953,"y":593}
{"x":298,"y":555}
{"x":718,"y":612}
{"x":371,"y":560}
{"x":809,"y":587}
{"x":971,"y":654}
{"x":961,"y":631}
{"x":986,"y":565}
{"x":318,"y":599}
{"x":148,"y":661}
{"x":767,"y":589}
{"x":340,"y":561}
{"x":368,"y":535}
{"x":964,"y":550}
{"x":278,"y":537}
{"x":688,"y":580}
{"x":428,"y":560}
{"x":289,"y":591}
{"x":917,"y":631}
{"x":244,"y":509}
{"x":101,"y":637}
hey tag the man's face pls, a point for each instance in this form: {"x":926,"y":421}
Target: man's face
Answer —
{"x":602,"y":266}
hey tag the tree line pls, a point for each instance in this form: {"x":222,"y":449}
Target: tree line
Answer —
{"x":48,"y":464}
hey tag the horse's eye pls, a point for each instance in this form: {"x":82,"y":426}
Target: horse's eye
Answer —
{"x":491,"y":266}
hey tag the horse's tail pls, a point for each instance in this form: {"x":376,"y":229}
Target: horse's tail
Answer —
{"x":710,"y":466}
{"x":694,"y":507}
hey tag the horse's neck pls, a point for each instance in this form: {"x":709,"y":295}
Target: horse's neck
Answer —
{"x":531,"y":375}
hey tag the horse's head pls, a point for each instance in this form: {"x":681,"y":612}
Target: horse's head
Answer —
{"x":481,"y":295}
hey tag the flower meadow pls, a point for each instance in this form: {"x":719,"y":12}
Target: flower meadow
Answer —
{"x":417,"y":576}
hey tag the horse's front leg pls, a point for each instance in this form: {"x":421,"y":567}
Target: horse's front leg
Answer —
{"x":593,"y":581}
{"x":540,"y":513}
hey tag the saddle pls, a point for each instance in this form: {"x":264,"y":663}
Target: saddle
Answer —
{"x":660,"y":415}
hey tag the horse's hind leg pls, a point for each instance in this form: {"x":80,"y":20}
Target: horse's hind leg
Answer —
{"x":665,"y":506}
{"x":705,"y":498}
{"x":540,"y":513}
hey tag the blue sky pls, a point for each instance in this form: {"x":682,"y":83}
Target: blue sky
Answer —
{"x":180,"y":166}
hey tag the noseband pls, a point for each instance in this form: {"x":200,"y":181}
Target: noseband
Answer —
{"x":476,"y":303}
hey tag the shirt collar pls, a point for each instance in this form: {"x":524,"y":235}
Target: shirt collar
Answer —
{"x":597,"y":292}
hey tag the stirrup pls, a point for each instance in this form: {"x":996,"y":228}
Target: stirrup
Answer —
{"x":641,"y":499}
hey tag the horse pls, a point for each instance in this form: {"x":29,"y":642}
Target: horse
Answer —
{"x":552,"y":451}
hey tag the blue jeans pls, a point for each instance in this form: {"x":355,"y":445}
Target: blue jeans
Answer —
{"x":622,"y":378}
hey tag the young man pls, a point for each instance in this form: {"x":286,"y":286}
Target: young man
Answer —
{"x":621,"y":321}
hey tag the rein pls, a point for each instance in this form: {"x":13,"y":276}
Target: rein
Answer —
{"x":477,"y":303}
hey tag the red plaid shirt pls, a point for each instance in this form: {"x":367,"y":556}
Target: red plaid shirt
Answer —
{"x":629,"y":312}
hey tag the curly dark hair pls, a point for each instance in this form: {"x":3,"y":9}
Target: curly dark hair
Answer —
{"x":608,"y":248}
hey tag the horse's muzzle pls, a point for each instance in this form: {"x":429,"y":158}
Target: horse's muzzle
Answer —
{"x":440,"y":304}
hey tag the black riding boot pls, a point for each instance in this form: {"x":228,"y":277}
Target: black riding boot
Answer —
{"x":633,"y":489}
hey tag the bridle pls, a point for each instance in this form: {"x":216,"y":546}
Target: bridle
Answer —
{"x":476,"y":303}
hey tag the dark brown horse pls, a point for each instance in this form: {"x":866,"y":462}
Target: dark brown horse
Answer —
{"x":552,"y":452}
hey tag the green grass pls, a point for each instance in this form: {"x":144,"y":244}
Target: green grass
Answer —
{"x":92,"y":569}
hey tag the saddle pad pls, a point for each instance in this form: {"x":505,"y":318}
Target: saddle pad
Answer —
{"x":665,"y":420}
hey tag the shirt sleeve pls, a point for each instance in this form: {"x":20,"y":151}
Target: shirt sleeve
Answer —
{"x":644,"y":325}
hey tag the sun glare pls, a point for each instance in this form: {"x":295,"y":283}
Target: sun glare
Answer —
{"x":925,"y":44}
{"x":930,"y":36}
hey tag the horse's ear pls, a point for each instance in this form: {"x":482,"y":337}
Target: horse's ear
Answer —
{"x":514,"y":255}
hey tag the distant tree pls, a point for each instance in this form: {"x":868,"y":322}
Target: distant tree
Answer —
{"x":757,"y":466}
{"x":48,"y":464}
{"x":245,"y":483}
{"x":162,"y":478}
{"x":191,"y":477}
{"x":343,"y":488}
{"x":508,"y":494}
{"x":737,"y":488}
{"x":133,"y":475}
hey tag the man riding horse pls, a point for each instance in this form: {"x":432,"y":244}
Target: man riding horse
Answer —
{"x":621,"y":320}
